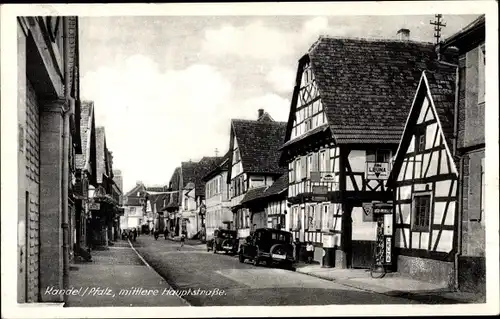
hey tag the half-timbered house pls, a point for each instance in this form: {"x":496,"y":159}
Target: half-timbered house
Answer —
{"x":253,"y":158}
{"x":440,"y":230}
{"x":268,"y":204}
{"x":424,"y":179}
{"x":349,"y":105}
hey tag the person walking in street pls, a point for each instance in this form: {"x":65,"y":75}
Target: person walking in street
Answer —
{"x":134,"y":234}
{"x":183,"y":239}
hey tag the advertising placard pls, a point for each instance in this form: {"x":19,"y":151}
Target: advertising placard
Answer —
{"x":377,"y":170}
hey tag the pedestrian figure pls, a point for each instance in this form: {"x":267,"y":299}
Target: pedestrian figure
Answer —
{"x":310,"y":252}
{"x":135,"y":234}
{"x":165,"y":233}
{"x":183,"y":238}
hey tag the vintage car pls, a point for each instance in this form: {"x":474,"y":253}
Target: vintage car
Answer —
{"x":268,"y":245}
{"x":223,"y":240}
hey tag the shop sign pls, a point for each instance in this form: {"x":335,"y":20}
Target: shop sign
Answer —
{"x":377,"y":170}
{"x":388,"y":251}
{"x":322,"y":177}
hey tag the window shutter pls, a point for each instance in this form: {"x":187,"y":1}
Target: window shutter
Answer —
{"x":292,"y":173}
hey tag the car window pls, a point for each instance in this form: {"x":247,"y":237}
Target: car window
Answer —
{"x":281,"y":237}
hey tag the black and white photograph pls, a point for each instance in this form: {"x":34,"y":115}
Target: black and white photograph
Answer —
{"x":249,"y":159}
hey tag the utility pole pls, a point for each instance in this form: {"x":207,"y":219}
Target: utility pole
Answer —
{"x":438,"y":24}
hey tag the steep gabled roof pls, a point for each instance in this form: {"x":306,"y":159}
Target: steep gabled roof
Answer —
{"x":188,"y":172}
{"x":366,"y":86}
{"x":278,"y":187}
{"x":222,"y":165}
{"x":469,"y":36}
{"x":175,"y":180}
{"x":439,"y":84}
{"x":258,"y":142}
{"x":253,"y":194}
{"x":86,"y":160}
{"x":205,"y":165}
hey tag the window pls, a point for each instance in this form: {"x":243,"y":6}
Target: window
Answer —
{"x":483,"y":190}
{"x":421,"y":212}
{"x":324,"y":224}
{"x":298,"y":170}
{"x":322,"y":161}
{"x":309,"y":165}
{"x":291,"y":172}
{"x":379,"y":156}
{"x":481,"y":74}
{"x":311,"y":218}
{"x":236,"y":156}
{"x":132,"y":209}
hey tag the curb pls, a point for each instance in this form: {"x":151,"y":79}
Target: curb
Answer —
{"x":153,"y":270}
{"x":384,"y":291}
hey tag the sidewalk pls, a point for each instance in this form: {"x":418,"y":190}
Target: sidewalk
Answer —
{"x":98,"y":283}
{"x":393,"y":284}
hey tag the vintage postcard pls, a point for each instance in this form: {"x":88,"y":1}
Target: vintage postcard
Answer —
{"x":259,"y":159}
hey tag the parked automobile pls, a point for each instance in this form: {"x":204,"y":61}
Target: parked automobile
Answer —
{"x":223,"y":240}
{"x":268,"y":245}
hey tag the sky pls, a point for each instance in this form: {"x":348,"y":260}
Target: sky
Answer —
{"x":165,"y":88}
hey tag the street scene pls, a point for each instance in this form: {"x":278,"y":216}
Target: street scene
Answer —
{"x":175,"y":161}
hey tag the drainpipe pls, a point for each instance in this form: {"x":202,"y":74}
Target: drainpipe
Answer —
{"x":65,"y":173}
{"x":458,"y":207}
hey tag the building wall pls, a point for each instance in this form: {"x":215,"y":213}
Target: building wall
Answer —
{"x":472,"y":134}
{"x":134,"y":215}
{"x":472,"y":121}
{"x":29,"y":179}
{"x":33,"y":176}
{"x":218,"y":205}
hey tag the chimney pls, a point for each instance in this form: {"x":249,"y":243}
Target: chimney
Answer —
{"x":261,"y":112}
{"x":403,"y":34}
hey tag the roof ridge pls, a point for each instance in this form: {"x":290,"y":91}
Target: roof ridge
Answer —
{"x":367,"y":39}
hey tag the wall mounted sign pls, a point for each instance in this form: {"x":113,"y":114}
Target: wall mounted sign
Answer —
{"x":388,"y":251}
{"x":319,"y":190}
{"x":377,"y":170}
{"x":322,"y":177}
{"x":367,"y":212}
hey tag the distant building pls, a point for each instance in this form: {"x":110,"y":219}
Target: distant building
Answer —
{"x":254,"y":162}
{"x":217,"y":198}
{"x":86,"y":176}
{"x":103,"y":199}
{"x":134,"y":206}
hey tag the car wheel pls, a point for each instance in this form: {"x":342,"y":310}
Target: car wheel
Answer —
{"x":269,"y":263}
